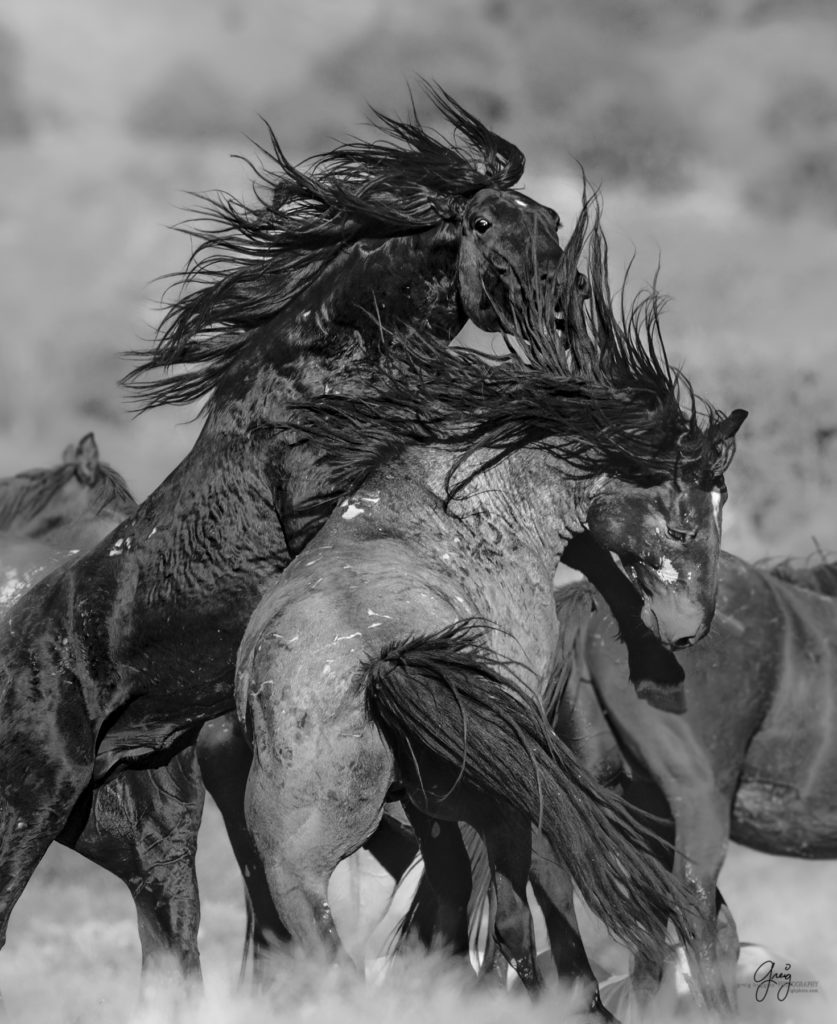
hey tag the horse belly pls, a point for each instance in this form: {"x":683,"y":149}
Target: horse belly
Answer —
{"x":786,"y":801}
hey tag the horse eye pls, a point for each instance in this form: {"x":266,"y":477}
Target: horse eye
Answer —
{"x":681,"y":536}
{"x":481,"y":225}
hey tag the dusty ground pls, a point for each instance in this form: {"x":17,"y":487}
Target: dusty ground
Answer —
{"x":713,"y":130}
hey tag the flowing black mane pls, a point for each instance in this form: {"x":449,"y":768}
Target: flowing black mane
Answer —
{"x":24,"y":496}
{"x":252,"y":259}
{"x":601,"y":394}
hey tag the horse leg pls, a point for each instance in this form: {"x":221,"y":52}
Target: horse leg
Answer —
{"x":508,"y":842}
{"x":727,"y":945}
{"x":224,"y":757}
{"x":393,"y":844}
{"x":142,"y":826}
{"x":43,"y":773}
{"x":315,"y":794}
{"x":701,"y":818}
{"x":553,"y":890}
{"x":440,"y":916}
{"x":681,"y":768}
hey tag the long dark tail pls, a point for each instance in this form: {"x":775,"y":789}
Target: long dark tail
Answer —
{"x":446,"y":694}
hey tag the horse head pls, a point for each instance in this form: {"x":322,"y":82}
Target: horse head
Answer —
{"x":668,"y":538}
{"x":507,"y":242}
{"x":70,"y":506}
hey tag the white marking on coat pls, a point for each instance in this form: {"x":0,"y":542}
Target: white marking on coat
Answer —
{"x":349,"y":636}
{"x":667,"y":572}
{"x":378,"y":614}
{"x":154,"y":530}
{"x":258,"y":690}
{"x":446,"y":557}
{"x":372,"y":498}
{"x":374,"y":625}
{"x":352,"y":512}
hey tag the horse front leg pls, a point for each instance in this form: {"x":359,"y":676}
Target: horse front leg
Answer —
{"x":142,"y":826}
{"x":701,"y":817}
{"x":43,"y":774}
{"x":681,"y":767}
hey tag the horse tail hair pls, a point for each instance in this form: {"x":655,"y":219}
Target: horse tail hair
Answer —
{"x":447,"y":696}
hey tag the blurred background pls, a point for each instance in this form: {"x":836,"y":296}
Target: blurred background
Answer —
{"x":710,"y":124}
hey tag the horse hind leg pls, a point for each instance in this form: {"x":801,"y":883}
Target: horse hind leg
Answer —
{"x":439,"y":913}
{"x":314,"y":795}
{"x":142,"y":826}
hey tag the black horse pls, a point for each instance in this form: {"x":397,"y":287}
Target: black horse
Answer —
{"x":117,"y":659}
{"x":353,"y":666}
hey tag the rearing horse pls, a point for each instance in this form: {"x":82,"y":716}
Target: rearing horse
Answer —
{"x":359,"y":679}
{"x":122,"y":655}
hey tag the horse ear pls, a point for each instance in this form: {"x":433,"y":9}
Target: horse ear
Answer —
{"x":729,"y":427}
{"x":68,"y":456}
{"x":87,"y":460}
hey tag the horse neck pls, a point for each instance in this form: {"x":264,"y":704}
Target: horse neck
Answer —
{"x":333,"y":328}
{"x":528,"y":501}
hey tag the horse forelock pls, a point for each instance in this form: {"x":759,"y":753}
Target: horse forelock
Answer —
{"x":252,"y":258}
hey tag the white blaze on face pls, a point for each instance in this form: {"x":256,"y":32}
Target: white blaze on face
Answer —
{"x":352,"y":512}
{"x":667,"y":572}
{"x":717,"y":501}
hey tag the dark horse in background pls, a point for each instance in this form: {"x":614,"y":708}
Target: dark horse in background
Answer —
{"x":71,"y":505}
{"x":115,"y":660}
{"x":49,"y":515}
{"x":753,"y":757}
{"x":360,"y":679}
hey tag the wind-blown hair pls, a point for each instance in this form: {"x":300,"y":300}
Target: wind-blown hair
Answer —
{"x":252,"y":259}
{"x":26,"y":495}
{"x":601,"y":394}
